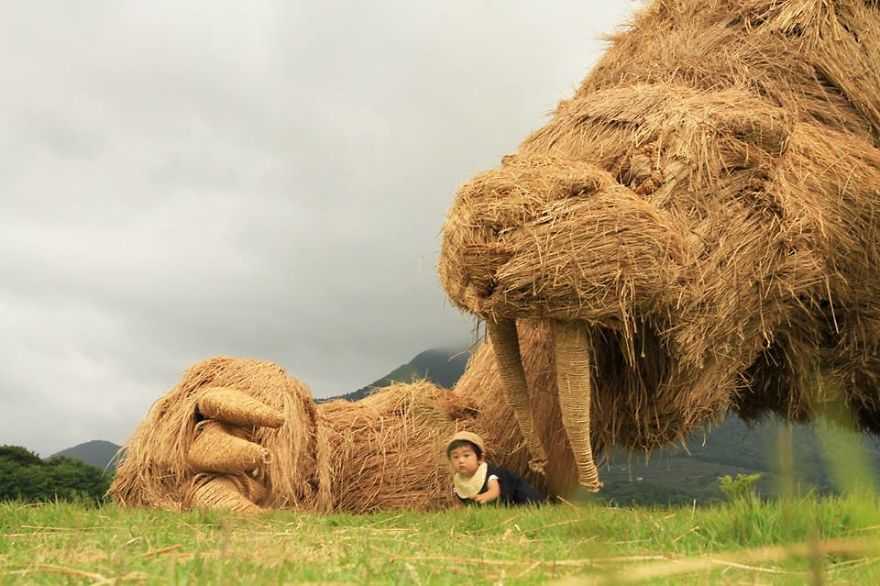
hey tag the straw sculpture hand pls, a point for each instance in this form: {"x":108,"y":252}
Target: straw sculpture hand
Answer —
{"x":695,"y":231}
{"x":223,"y":451}
{"x":233,"y":434}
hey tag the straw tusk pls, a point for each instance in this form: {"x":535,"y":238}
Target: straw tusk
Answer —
{"x":572,"y":354}
{"x":505,"y":343}
{"x":217,"y":449}
{"x":237,"y":408}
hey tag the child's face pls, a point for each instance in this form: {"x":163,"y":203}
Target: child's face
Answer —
{"x":464,"y":460}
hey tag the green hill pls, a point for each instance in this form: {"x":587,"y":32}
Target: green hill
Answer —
{"x":97,"y":453}
{"x":443,"y":367}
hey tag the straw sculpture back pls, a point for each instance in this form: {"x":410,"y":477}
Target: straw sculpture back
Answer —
{"x":694,"y":232}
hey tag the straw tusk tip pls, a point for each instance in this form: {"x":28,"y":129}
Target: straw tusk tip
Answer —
{"x":594,"y":486}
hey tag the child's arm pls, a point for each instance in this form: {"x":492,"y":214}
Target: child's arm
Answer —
{"x":493,"y":491}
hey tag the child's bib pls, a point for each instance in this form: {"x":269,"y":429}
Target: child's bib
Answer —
{"x":470,"y":487}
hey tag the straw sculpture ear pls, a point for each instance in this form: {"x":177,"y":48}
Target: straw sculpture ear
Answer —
{"x":217,"y":449}
{"x":505,"y":343}
{"x":237,"y":408}
{"x":572,"y":354}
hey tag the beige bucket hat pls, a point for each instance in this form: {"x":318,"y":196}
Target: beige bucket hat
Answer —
{"x":467,"y":436}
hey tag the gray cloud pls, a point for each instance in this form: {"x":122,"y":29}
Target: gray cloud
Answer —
{"x":262,"y":180}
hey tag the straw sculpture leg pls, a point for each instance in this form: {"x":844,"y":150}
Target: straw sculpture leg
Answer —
{"x":695,"y":231}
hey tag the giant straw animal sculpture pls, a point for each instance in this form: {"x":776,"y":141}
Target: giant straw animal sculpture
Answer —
{"x":694,"y":232}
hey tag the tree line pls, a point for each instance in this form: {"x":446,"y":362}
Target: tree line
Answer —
{"x":25,"y":476}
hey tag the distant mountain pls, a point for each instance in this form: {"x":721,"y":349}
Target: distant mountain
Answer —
{"x":97,"y":453}
{"x":682,"y":475}
{"x":443,"y":367}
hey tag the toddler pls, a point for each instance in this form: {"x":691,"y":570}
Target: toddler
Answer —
{"x":478,"y":481}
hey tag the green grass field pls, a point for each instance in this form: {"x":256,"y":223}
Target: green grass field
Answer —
{"x":804,"y":541}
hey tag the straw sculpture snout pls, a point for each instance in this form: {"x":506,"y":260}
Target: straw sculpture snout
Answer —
{"x":547,"y":237}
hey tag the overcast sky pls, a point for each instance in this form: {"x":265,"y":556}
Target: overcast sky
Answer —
{"x":185,"y":180}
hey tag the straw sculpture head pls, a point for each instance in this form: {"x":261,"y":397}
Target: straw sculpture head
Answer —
{"x":694,"y":231}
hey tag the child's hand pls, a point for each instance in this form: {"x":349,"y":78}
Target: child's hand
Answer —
{"x":491,"y":494}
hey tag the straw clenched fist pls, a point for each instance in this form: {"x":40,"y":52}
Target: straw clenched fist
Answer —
{"x":231,"y":464}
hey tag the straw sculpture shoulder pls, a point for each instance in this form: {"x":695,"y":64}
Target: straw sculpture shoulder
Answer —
{"x":694,"y":232}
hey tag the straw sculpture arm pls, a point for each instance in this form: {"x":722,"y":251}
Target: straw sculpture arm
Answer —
{"x":695,"y":231}
{"x":242,"y":435}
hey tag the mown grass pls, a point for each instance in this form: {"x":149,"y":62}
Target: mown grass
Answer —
{"x":588,"y":543}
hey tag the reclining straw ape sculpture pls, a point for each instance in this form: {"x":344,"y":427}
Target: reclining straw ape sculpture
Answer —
{"x":694,"y":232}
